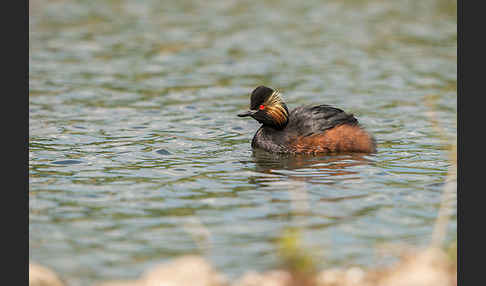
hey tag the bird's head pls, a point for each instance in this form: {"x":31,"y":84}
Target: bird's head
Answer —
{"x":268,"y":108}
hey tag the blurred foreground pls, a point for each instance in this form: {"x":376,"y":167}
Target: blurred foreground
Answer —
{"x":431,"y":266}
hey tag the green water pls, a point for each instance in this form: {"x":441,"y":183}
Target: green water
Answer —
{"x":136,"y":155}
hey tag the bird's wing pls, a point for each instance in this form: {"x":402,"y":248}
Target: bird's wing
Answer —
{"x":308,"y":120}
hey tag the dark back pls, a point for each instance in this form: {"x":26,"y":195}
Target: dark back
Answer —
{"x":308,"y":120}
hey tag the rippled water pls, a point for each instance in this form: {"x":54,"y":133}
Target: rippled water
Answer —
{"x":136,"y":155}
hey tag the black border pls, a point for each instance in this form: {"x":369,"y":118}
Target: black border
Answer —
{"x":15,"y":142}
{"x":18,"y":27}
{"x":470,"y":206}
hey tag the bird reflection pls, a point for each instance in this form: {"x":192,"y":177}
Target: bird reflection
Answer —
{"x":308,"y":167}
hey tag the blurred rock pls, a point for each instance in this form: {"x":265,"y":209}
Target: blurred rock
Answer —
{"x":427,"y":268}
{"x":340,"y":277}
{"x":42,"y":276}
{"x":121,"y":283}
{"x":331,"y":277}
{"x":270,"y":278}
{"x":185,"y":271}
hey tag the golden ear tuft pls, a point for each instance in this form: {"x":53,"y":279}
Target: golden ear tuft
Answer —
{"x":274,"y":99}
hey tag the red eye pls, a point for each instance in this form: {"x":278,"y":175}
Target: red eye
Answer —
{"x":262,"y":107}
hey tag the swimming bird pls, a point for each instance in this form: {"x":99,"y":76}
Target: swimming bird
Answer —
{"x":306,"y":129}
